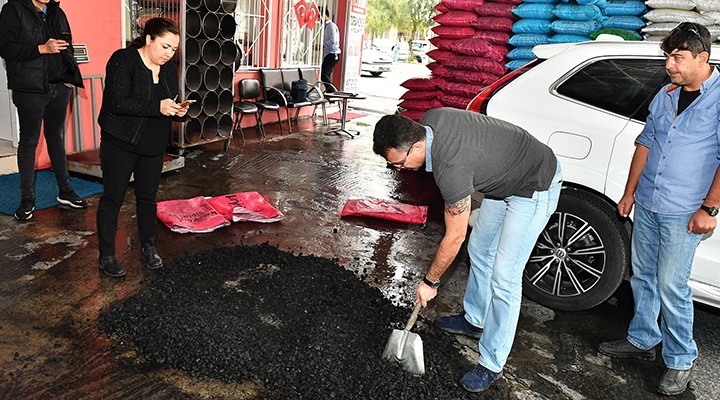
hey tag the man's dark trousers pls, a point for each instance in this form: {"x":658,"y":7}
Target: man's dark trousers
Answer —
{"x":327,"y":68}
{"x":33,"y":109}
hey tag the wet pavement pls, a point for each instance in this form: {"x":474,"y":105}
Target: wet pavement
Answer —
{"x":51,"y":293}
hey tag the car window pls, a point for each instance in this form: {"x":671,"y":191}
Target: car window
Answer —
{"x":622,"y":86}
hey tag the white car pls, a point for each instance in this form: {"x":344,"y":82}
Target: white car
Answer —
{"x":375,"y":62}
{"x":588,"y":102}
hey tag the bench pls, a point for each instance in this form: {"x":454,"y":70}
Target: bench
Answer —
{"x":276,"y":83}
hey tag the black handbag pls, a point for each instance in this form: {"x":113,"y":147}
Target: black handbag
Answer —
{"x":298,"y":90}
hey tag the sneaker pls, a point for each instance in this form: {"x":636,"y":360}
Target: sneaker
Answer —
{"x":111,"y":267}
{"x":479,"y":379}
{"x":458,"y":324}
{"x":150,"y":257}
{"x":25,"y":211}
{"x":625,"y":349}
{"x":70,"y":198}
{"x":673,"y":381}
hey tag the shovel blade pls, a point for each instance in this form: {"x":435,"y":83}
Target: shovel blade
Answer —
{"x":407,"y":349}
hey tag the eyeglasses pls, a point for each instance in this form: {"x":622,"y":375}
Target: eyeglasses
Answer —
{"x":401,"y":164}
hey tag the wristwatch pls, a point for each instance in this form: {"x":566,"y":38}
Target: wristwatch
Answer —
{"x":433,"y":285}
{"x":713,"y":211}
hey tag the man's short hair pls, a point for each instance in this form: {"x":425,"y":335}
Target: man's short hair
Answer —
{"x":324,"y":10}
{"x":396,"y":132}
{"x":689,"y":36}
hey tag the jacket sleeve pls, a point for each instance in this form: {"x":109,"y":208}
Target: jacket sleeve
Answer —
{"x":119,"y":96}
{"x":10,"y":46}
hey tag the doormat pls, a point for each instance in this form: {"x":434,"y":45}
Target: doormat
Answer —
{"x":350,"y":115}
{"x":300,"y":327}
{"x":46,"y":190}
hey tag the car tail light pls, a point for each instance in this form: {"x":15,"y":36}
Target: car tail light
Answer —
{"x":480,"y":102}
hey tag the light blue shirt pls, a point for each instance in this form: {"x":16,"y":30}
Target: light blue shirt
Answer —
{"x":684,"y":150}
{"x":428,"y":146}
{"x":331,"y":39}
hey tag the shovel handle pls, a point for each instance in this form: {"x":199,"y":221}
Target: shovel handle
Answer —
{"x":413,"y":317}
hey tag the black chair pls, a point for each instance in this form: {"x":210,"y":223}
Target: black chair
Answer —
{"x":274,"y":89}
{"x":249,"y":89}
{"x":315,"y":91}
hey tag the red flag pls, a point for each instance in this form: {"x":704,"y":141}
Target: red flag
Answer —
{"x":312,"y":15}
{"x":301,"y":9}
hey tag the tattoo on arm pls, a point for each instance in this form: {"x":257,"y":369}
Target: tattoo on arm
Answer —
{"x":457,"y":208}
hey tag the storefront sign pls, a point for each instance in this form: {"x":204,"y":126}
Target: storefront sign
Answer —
{"x":353,"y":45}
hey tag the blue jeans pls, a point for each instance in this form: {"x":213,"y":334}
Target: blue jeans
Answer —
{"x":500,"y":244}
{"x":662,"y":256}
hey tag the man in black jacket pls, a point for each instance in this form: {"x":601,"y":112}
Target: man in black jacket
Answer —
{"x":41,"y":70}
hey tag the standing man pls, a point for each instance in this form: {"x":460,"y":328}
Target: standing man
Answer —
{"x":675,"y":181}
{"x":41,"y":71}
{"x":331,"y":50}
{"x":520,"y":178}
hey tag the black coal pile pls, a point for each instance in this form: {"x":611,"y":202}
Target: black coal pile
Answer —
{"x":304,"y":326}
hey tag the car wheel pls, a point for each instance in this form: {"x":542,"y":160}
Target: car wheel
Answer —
{"x":376,"y":73}
{"x":581,"y":257}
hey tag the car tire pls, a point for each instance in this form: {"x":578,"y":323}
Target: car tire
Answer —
{"x":376,"y":73}
{"x":581,"y":257}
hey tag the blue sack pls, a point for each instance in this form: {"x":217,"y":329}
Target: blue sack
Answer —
{"x":521,"y":53}
{"x":566,"y":27}
{"x":576,"y":12}
{"x":535,"y":11}
{"x":532,"y":26}
{"x":528,"y":39}
{"x":623,"y":22}
{"x":515,"y":64}
{"x":569,"y":39}
{"x":624,"y":7}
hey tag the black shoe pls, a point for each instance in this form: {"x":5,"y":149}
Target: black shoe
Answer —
{"x":150,"y":257}
{"x":458,"y":324}
{"x":70,"y":198}
{"x":479,"y":379}
{"x":25,"y":211}
{"x":111,"y":267}
{"x":673,"y":381}
{"x":625,"y":349}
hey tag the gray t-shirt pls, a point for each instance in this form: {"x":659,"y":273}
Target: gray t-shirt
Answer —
{"x":472,"y":152}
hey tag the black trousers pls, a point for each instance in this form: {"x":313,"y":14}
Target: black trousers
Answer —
{"x":327,"y":68}
{"x":117,"y":166}
{"x":33,"y":110}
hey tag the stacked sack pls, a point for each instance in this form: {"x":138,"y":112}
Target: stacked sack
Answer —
{"x":623,"y":14}
{"x":664,"y":15}
{"x":471,"y":45}
{"x":533,"y":28}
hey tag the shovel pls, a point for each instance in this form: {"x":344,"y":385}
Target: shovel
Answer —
{"x":406,"y":347}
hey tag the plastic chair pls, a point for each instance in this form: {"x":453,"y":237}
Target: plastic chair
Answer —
{"x":249,"y":89}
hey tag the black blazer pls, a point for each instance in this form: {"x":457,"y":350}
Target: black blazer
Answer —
{"x":127,"y":96}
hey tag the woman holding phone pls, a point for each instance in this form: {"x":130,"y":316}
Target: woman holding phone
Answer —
{"x":141,"y":86}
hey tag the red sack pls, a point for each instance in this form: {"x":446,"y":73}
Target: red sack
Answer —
{"x":461,"y":89}
{"x":442,"y":8}
{"x":497,"y":9}
{"x":194,"y":215}
{"x":422,"y":105}
{"x":480,"y":64}
{"x":493,"y":37}
{"x":440,"y":71}
{"x":245,"y":206}
{"x":465,"y":5}
{"x":385,"y":209}
{"x":474,"y":77}
{"x":452,"y":100}
{"x":440,"y":55}
{"x":454,"y":32}
{"x":419,"y":95}
{"x":432,"y":65}
{"x":456,"y":18}
{"x":499,"y":24}
{"x":480,"y":48}
{"x":442,"y":44}
{"x":515,"y":2}
{"x":419,"y":84}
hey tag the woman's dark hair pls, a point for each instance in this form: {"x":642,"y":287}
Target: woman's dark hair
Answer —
{"x":689,"y":36}
{"x":396,"y":132}
{"x":155,"y":27}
